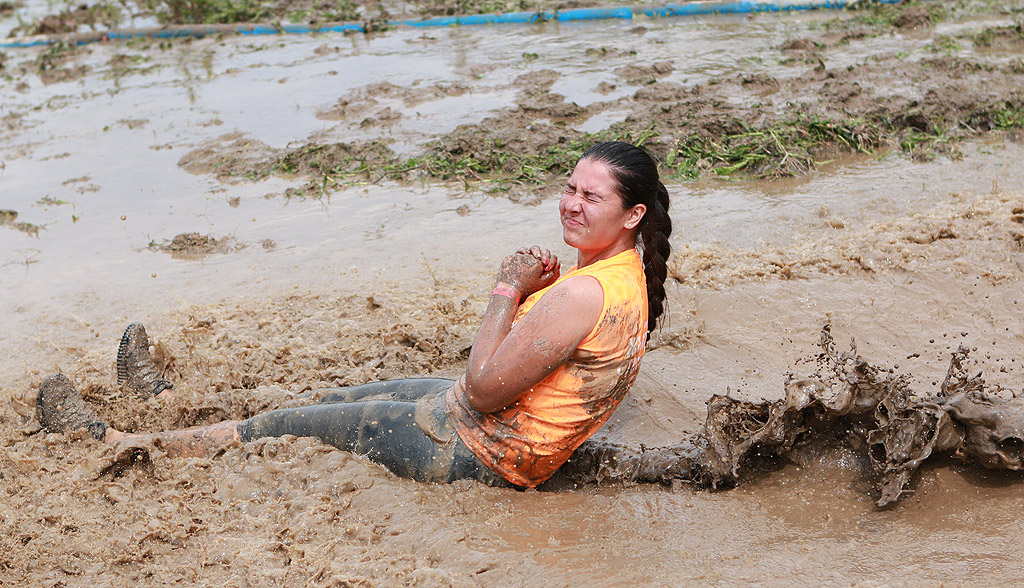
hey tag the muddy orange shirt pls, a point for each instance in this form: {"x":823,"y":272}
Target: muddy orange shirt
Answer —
{"x":528,"y":440}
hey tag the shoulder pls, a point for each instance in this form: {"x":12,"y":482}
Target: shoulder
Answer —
{"x":576,"y":303}
{"x":582,"y":290}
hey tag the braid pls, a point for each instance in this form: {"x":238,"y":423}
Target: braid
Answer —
{"x":654,"y":233}
{"x":636,"y":172}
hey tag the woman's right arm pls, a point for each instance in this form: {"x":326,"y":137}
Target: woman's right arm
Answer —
{"x":506,"y":362}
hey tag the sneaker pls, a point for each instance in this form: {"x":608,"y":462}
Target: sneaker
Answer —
{"x":136,"y":370}
{"x":60,"y":408}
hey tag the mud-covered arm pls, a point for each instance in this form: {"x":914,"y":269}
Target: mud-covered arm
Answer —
{"x":506,"y":362}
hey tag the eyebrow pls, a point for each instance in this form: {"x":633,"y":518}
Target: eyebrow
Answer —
{"x":586,"y":192}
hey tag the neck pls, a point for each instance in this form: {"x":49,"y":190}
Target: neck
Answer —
{"x":585,"y":258}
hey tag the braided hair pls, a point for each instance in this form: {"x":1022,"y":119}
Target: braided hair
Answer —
{"x":636,"y":172}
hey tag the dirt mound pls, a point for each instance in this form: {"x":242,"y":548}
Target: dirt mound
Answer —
{"x":360,"y":101}
{"x":913,"y":17}
{"x":234,"y":158}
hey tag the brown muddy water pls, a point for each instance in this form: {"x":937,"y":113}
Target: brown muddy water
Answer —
{"x":251,"y":297}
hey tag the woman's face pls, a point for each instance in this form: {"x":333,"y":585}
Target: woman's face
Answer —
{"x":591,"y":208}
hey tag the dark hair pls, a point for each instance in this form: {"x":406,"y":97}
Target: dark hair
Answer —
{"x":636,"y":171}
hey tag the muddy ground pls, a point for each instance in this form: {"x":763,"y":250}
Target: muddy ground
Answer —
{"x":872,"y":165}
{"x":758,"y":124}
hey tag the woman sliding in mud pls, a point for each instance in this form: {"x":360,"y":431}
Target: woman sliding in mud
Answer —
{"x":554,"y":356}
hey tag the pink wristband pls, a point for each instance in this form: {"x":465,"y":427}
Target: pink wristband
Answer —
{"x":507,"y":292}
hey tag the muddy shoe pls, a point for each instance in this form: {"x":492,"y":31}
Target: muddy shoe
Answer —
{"x":60,"y":408}
{"x":136,"y":370}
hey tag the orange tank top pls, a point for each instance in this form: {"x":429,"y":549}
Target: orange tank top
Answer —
{"x":527,"y":441}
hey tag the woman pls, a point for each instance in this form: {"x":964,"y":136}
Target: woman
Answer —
{"x":554,"y":356}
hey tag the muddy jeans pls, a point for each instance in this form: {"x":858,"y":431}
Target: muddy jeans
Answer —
{"x":403,"y":425}
{"x":400,"y":424}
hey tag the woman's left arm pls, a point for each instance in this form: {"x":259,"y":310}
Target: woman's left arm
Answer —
{"x":507,"y":361}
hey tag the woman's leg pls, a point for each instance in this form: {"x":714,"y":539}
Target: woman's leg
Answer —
{"x":386,"y":432}
{"x":404,"y":390}
{"x":409,"y":438}
{"x":191,"y":442}
{"x":603,"y":461}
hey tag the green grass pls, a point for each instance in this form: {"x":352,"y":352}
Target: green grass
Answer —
{"x":878,"y":15}
{"x":924,"y":146}
{"x":783,"y":149}
{"x":1008,"y":116}
{"x":54,"y":55}
{"x":943,"y":44}
{"x":209,"y":11}
{"x":987,"y":37}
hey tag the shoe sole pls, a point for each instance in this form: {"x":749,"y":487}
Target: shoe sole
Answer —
{"x":122,"y":355}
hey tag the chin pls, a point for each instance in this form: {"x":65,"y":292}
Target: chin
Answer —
{"x":572,"y":240}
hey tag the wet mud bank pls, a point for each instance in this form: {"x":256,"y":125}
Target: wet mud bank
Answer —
{"x":807,"y":107}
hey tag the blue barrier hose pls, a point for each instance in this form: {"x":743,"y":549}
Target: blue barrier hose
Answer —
{"x":695,"y":8}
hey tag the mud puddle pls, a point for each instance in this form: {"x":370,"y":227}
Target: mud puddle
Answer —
{"x":912,"y":259}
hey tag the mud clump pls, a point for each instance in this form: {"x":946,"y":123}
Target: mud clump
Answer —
{"x":63,"y":74}
{"x":227,"y":156}
{"x":1008,"y":36}
{"x":804,"y":45}
{"x":608,"y":52}
{"x":535,"y":98}
{"x":196,"y":246}
{"x":551,"y":105}
{"x":332,"y":159}
{"x":328,"y":165}
{"x":913,"y":17}
{"x":639,"y":73}
{"x":1018,"y":215}
{"x":360,"y":102}
{"x":9,"y":218}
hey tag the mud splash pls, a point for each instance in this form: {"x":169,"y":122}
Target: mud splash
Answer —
{"x":849,"y":403}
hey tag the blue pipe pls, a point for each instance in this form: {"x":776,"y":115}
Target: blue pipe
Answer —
{"x":695,"y":8}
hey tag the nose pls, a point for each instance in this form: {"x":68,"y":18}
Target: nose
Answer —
{"x":572,"y":202}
